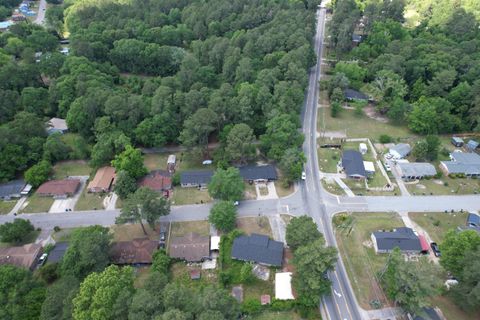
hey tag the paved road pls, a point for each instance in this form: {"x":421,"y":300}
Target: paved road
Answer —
{"x":42,"y":8}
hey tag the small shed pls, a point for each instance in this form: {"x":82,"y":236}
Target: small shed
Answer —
{"x":472,"y":145}
{"x":473,"y":220}
{"x":369,"y":167}
{"x":457,"y":141}
{"x":195,"y":274}
{"x":265,"y":299}
{"x":362,"y":147}
{"x":237,"y":293}
{"x":171,"y":161}
{"x":57,"y":125}
{"x":283,"y":286}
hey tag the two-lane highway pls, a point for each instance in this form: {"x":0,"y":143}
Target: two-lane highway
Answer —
{"x":341,"y":304}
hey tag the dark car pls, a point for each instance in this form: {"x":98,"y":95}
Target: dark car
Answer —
{"x":435,"y":249}
{"x":162,"y":236}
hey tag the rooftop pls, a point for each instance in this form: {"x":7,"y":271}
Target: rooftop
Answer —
{"x":417,"y":169}
{"x":258,"y":248}
{"x":283,"y":286}
{"x":351,"y":94}
{"x":473,"y":219}
{"x":59,"y":187}
{"x":104,"y":178}
{"x":23,"y":256}
{"x":137,"y":251}
{"x":261,"y":172}
{"x":196,"y":177}
{"x":403,"y":237}
{"x":403,"y":149}
{"x":158,"y":180}
{"x":11,"y":188}
{"x":191,"y":247}
{"x":57,"y":123}
{"x":352,"y":162}
{"x":466,"y":163}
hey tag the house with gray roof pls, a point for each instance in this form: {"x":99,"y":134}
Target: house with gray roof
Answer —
{"x":258,"y":248}
{"x":416,"y":170}
{"x":403,"y":238}
{"x":352,"y":95}
{"x":400,"y":151}
{"x":467,"y":164}
{"x":352,"y":164}
{"x":472,"y":145}
{"x":12,"y":189}
{"x":195,"y":178}
{"x":258,"y":172}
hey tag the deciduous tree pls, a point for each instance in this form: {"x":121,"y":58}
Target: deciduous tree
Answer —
{"x":223,"y":215}
{"x":302,"y":231}
{"x":226,"y":184}
{"x":15,"y":231}
{"x":131,"y":161}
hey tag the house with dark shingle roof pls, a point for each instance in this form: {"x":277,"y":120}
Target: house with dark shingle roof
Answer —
{"x":11,"y":189}
{"x":467,"y":164}
{"x":352,"y":95}
{"x":258,"y":173}
{"x":195,"y":178}
{"x":137,"y":251}
{"x":352,"y":164}
{"x":403,"y":238}
{"x":259,"y":249}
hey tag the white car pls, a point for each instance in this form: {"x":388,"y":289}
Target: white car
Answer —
{"x":387,"y":167}
{"x":42,"y":259}
{"x":304,"y":175}
{"x":236,"y":203}
{"x":207,"y":162}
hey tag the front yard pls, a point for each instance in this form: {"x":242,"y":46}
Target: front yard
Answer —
{"x":90,"y":201}
{"x":128,"y":232}
{"x":35,"y":203}
{"x":182,"y":196}
{"x":6,"y":206}
{"x":437,"y":224}
{"x":445,"y":186}
{"x":328,"y":158}
{"x":258,"y":225}
{"x":179,"y":229}
{"x":358,"y":255}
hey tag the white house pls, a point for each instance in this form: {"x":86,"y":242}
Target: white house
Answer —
{"x":400,"y":151}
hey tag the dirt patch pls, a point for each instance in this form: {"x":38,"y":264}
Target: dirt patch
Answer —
{"x":420,"y":186}
{"x":332,"y":134}
{"x":372,"y":114}
{"x":367,"y":244}
{"x":439,"y":182}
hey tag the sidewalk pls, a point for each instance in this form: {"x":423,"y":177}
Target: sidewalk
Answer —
{"x":344,"y":187}
{"x":18,"y":206}
{"x":398,"y":178}
{"x":278,"y":227}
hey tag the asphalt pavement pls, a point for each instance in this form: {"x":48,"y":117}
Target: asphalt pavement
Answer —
{"x":42,"y":8}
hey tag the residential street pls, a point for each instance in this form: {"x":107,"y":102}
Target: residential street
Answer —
{"x":42,"y":8}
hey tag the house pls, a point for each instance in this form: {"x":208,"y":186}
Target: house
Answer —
{"x":362,"y":147}
{"x":259,"y":249}
{"x":352,"y":164}
{"x":12,"y":189}
{"x":55,"y":125}
{"x":467,"y":164}
{"x":457,"y":141}
{"x":403,"y":238}
{"x":197,"y":178}
{"x":416,"y":170}
{"x":283,"y":286}
{"x":23,"y":256}
{"x":171,"y":161}
{"x":369,"y":168}
{"x":103,"y":180}
{"x":472,"y":145}
{"x":400,"y":151}
{"x":59,"y":189}
{"x":57,"y":253}
{"x":157,"y":180}
{"x":262,"y":173}
{"x":192,"y":247}
{"x":4,"y":25}
{"x":137,"y":252}
{"x":352,"y":95}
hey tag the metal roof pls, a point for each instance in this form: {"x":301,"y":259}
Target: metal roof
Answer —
{"x":466,"y":163}
{"x":258,"y":248}
{"x":196,"y":177}
{"x":352,"y":162}
{"x":417,"y":169}
{"x":403,"y":238}
{"x":403,"y":149}
{"x":253,"y":172}
{"x":472,"y":144}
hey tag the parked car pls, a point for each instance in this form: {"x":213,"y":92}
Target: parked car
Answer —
{"x":162,"y":236}
{"x":42,"y":259}
{"x":387,"y":167}
{"x":435,"y":249}
{"x":304,"y":175}
{"x":236,"y":203}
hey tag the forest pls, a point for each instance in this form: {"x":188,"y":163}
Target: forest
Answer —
{"x":418,"y":60}
{"x":150,"y":73}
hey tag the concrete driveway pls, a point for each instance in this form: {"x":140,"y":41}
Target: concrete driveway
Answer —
{"x":61,"y":205}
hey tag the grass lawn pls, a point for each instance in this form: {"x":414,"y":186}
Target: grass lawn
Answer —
{"x":156,"y":161}
{"x":127,"y":232}
{"x":332,"y":186}
{"x":273,"y":315}
{"x":181,"y":274}
{"x":182,"y":228}
{"x":64,"y":234}
{"x":183,"y":196}
{"x":258,"y":225}
{"x":37,"y":204}
{"x":451,"y":311}
{"x":437,"y":186}
{"x":257,"y":287}
{"x":437,"y":224}
{"x":6,"y":206}
{"x":188,"y":161}
{"x":361,"y":262}
{"x":64,"y":169}
{"x":359,"y":126}
{"x":71,"y":140}
{"x":90,"y":201}
{"x":250,"y":193}
{"x":358,"y":187}
{"x":328,"y":159}
{"x":283,"y":191}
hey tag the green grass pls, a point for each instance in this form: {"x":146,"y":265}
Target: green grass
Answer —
{"x":37,"y":204}
{"x":437,"y":187}
{"x":141,"y":276}
{"x":90,"y":201}
{"x":437,"y":224}
{"x":451,"y":311}
{"x":6,"y":206}
{"x":361,"y":262}
{"x":70,"y":139}
{"x":182,"y":228}
{"x":64,"y":169}
{"x":273,"y":315}
{"x":183,"y":196}
{"x":128,"y":232}
{"x":283,"y":191}
{"x":258,"y":225}
{"x":181,"y":274}
{"x":359,"y":126}
{"x":257,"y":287}
{"x":332,"y":187}
{"x":64,"y":235}
{"x":156,"y":161}
{"x":328,"y":159}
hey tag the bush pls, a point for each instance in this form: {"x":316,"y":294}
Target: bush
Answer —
{"x":56,"y":229}
{"x":176,"y":179}
{"x":48,"y":248}
{"x":161,"y":262}
{"x":49,"y":272}
{"x":251,"y":306}
{"x":335,"y":109}
{"x":445,"y":184}
{"x":246,"y":274}
{"x":282,"y":305}
{"x":438,"y":175}
{"x":444,"y":152}
{"x":225,"y":278}
{"x":385,"y":138}
{"x":436,"y":223}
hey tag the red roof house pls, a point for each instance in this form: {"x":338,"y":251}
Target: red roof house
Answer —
{"x":59,"y":188}
{"x":158,"y":180}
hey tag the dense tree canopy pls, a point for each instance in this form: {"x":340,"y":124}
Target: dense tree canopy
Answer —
{"x":15,"y":231}
{"x":223,"y":215}
{"x":301,"y":231}
{"x":226,"y":184}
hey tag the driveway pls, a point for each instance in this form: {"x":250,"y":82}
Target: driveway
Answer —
{"x":398,"y":177}
{"x":272,"y":192}
{"x":61,"y":205}
{"x":42,"y":7}
{"x":278,"y":227}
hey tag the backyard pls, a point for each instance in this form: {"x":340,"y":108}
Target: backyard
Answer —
{"x":361,"y":262}
{"x":64,"y":169}
{"x":35,"y":203}
{"x":438,"y":223}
